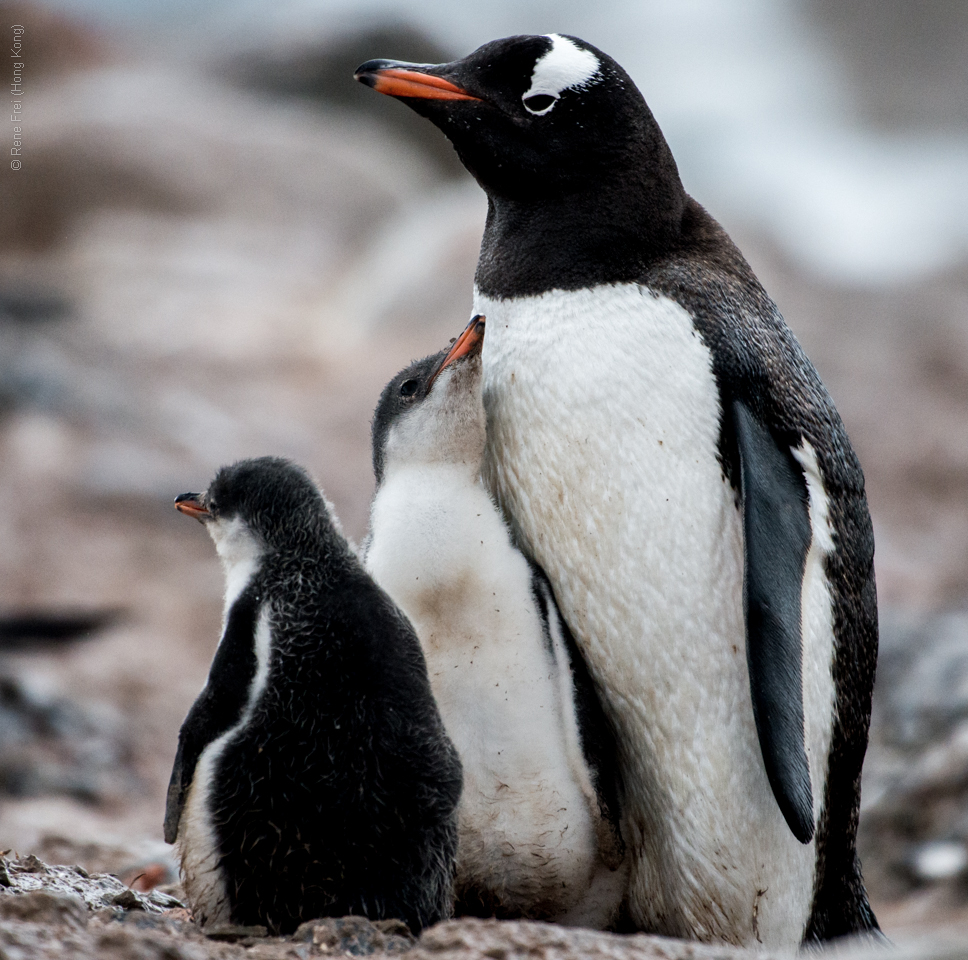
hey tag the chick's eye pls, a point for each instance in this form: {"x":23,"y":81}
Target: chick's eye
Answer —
{"x":408,"y":388}
{"x":540,"y":103}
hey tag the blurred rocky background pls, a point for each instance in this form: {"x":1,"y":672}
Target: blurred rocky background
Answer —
{"x":219,"y":246}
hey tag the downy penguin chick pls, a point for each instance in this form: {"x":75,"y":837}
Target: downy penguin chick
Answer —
{"x":538,"y":819}
{"x":313,"y":775}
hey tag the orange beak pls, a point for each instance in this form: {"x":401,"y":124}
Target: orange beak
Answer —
{"x":401,"y":80}
{"x":190,"y":504}
{"x":470,"y":342}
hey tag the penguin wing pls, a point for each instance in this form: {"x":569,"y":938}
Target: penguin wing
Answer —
{"x":777,"y":534}
{"x":595,"y":735}
{"x":218,"y":707}
{"x":181,"y":778}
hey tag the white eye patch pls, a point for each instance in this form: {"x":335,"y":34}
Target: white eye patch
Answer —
{"x":565,"y":66}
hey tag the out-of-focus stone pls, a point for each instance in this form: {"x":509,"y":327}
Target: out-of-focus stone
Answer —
{"x":234,"y":933}
{"x":922,"y":678}
{"x":472,"y":939}
{"x":357,"y":936}
{"x":321,"y":70}
{"x":44,"y":906}
{"x":52,"y":745}
{"x":940,"y":860}
{"x":914,"y":815}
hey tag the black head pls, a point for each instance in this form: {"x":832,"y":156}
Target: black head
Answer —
{"x":411,"y":387}
{"x":275,"y":499}
{"x":583,"y":188}
{"x":533,"y":116}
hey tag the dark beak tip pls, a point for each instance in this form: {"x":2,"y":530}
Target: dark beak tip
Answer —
{"x":365,"y":71}
{"x":190,"y":505}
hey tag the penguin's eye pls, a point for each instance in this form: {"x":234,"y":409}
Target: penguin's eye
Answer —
{"x":409,"y":388}
{"x":540,"y":103}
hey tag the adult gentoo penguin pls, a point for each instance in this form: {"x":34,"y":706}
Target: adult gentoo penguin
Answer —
{"x":538,"y":818}
{"x":313,"y":775}
{"x":669,"y":456}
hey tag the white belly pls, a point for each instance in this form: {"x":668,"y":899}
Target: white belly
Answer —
{"x":527,"y":812}
{"x":197,"y":842}
{"x":198,"y":845}
{"x":603,"y":421}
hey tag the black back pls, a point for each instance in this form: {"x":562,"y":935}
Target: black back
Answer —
{"x":339,"y":794}
{"x":219,"y":706}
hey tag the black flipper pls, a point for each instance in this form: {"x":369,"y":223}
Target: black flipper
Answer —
{"x":597,"y":736}
{"x":218,"y":707}
{"x":776,"y":525}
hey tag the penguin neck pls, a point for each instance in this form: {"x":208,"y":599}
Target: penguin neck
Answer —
{"x":610,"y":233}
{"x":241,"y":553}
{"x":446,"y":434}
{"x":426,"y":478}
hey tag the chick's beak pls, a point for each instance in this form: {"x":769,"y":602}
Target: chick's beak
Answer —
{"x":468,"y":344}
{"x":191,"y":505}
{"x":397,"y":79}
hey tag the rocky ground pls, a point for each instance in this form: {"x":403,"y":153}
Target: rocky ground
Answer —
{"x":67,"y":912}
{"x":184,"y":286}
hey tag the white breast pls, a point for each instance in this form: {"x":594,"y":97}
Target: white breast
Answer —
{"x":527,"y":815}
{"x":603,"y":420}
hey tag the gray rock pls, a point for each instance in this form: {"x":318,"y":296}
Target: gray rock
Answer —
{"x":45,"y":906}
{"x":50,"y":744}
{"x":922,"y":678}
{"x":471,"y":939}
{"x":56,"y":912}
{"x":29,"y":876}
{"x":914,"y":816}
{"x":356,"y":936}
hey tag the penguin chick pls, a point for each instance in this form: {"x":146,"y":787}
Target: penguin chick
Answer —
{"x":538,"y":818}
{"x":313,"y":775}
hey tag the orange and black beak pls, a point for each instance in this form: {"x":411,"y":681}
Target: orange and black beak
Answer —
{"x":191,"y":505}
{"x":409,"y":80}
{"x":468,"y":344}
